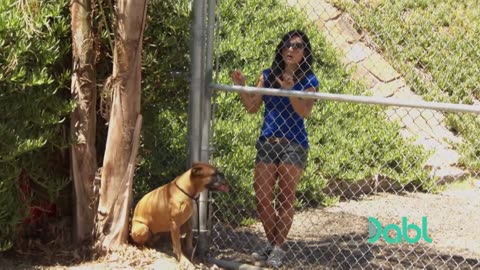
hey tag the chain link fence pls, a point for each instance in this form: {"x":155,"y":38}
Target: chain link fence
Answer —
{"x":390,"y":144}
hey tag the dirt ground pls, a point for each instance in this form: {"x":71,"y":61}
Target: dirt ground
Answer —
{"x":128,"y":257}
{"x":327,"y":238}
{"x":336,"y":237}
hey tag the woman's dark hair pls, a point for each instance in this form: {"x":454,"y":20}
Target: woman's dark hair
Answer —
{"x":278,"y":65}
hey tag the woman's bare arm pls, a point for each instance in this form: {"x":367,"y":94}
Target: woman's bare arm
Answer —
{"x":303,"y":106}
{"x":251,"y":102}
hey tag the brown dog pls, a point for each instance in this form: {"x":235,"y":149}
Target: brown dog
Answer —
{"x":169,"y":207}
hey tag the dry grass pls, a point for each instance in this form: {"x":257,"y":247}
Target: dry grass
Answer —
{"x":48,"y":247}
{"x":51,"y":258}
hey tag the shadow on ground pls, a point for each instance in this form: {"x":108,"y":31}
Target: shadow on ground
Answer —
{"x":346,"y":251}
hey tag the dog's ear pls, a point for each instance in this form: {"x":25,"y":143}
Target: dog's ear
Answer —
{"x":197,"y":169}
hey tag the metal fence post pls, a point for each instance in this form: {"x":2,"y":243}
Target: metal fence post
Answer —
{"x":206,"y":114}
{"x":197,"y":90}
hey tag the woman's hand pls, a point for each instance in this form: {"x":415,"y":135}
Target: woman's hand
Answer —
{"x":251,"y":101}
{"x":287,"y":82}
{"x":238,"y":78}
{"x":303,"y":106}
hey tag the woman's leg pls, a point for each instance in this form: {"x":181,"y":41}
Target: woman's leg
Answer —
{"x":265,"y":176}
{"x":289,"y":176}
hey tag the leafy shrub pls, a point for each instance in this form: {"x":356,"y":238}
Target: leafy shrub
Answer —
{"x":34,"y":77}
{"x":435,"y":45}
{"x":165,"y":94}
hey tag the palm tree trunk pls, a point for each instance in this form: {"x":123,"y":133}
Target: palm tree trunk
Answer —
{"x":83,"y":119}
{"x":124,"y":127}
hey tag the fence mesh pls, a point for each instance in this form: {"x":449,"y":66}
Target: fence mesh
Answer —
{"x":402,"y":166}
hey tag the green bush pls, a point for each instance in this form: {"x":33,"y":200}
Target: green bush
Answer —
{"x":34,"y":80}
{"x":165,"y":94}
{"x":435,"y":45}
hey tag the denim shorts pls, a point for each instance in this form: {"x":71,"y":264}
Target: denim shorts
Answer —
{"x":289,"y":152}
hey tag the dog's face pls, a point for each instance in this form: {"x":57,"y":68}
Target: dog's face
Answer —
{"x":206,"y":176}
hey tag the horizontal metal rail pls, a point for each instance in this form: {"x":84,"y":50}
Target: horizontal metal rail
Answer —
{"x":439,"y":106}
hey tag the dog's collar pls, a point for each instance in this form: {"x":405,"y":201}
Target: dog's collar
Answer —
{"x":186,"y":193}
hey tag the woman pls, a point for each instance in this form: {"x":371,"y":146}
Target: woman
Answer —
{"x":282,"y":147}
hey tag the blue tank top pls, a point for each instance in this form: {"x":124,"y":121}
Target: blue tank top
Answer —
{"x":280,"y":119}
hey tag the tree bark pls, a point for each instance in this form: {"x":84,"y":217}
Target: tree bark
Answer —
{"x":83,"y":119}
{"x":111,"y":228}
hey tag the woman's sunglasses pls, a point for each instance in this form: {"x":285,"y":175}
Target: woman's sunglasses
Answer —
{"x":294,"y":45}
